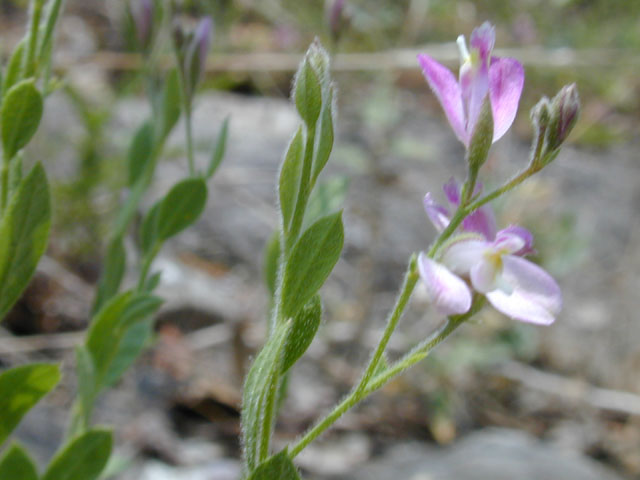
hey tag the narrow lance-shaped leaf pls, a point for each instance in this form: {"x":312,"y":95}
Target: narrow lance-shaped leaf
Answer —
{"x":271,"y":262}
{"x":181,"y":207}
{"x":17,"y":464}
{"x":83,"y":458}
{"x":324,"y":137}
{"x":168,"y":106}
{"x":14,"y":66}
{"x":109,"y":329}
{"x":308,"y":94}
{"x":140,"y":152}
{"x":311,"y":261}
{"x":303,"y":330}
{"x":21,"y":114}
{"x":20,"y":389}
{"x":278,"y":467}
{"x":259,"y":379}
{"x":115,"y":263}
{"x":289,"y":184}
{"x":219,"y":149}
{"x":24,"y":231}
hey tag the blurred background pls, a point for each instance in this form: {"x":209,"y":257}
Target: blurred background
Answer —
{"x":500,"y":399}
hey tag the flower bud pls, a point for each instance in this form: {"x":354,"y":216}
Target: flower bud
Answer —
{"x":565,"y":109}
{"x":335,"y":18}
{"x":540,"y":116}
{"x":481,"y":138}
{"x":143,"y":13}
{"x":191,"y":50}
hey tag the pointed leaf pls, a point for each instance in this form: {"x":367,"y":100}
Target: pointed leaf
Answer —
{"x":20,"y":389}
{"x":272,"y":262}
{"x":311,"y":261}
{"x":115,"y":264}
{"x":148,"y":230}
{"x":324,"y":139}
{"x":181,"y":207}
{"x":258,"y":381}
{"x":140,"y":152}
{"x":219,"y":149}
{"x":168,"y":106}
{"x":83,"y":458}
{"x":289,"y":183}
{"x":14,"y":66}
{"x":108,"y":336}
{"x":303,"y":330}
{"x":17,"y":464}
{"x":278,"y":467}
{"x":308,"y":94}
{"x":21,"y":114}
{"x":24,"y":231}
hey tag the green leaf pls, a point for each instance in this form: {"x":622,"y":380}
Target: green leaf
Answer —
{"x":311,"y":261}
{"x":289,"y":184}
{"x":140,"y":152}
{"x":135,"y":339}
{"x":152,"y":282}
{"x":149,"y":225}
{"x":87,"y":386}
{"x":220,"y":148}
{"x":14,"y":66}
{"x":303,"y":330}
{"x":181,"y":207}
{"x":24,"y":231}
{"x":83,"y":458}
{"x":115,"y":264}
{"x":308,"y":94}
{"x":20,"y":389}
{"x":108,"y":336}
{"x":168,"y":106}
{"x":271,"y":262}
{"x":326,"y":198}
{"x":324,"y":140}
{"x":278,"y":467}
{"x":259,"y":381}
{"x":17,"y":464}
{"x":21,"y":114}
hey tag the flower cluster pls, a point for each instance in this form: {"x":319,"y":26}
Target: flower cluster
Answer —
{"x":489,"y":262}
{"x":481,"y":106}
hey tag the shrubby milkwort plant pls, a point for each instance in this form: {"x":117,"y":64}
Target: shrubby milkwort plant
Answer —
{"x":470,"y":262}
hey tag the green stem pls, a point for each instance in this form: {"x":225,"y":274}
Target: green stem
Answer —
{"x":408,"y":285}
{"x":146,"y":265}
{"x":29,"y":66}
{"x":189,"y":133}
{"x":510,"y":185}
{"x":416,"y":354}
{"x":52,"y":18}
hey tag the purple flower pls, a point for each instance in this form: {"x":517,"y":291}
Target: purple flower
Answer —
{"x":481,"y":221}
{"x":513,"y":285}
{"x":481,"y":75}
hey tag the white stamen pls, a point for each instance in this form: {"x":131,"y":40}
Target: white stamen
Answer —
{"x":462,"y":46}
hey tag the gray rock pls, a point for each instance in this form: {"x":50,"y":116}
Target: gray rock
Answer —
{"x":490,"y":454}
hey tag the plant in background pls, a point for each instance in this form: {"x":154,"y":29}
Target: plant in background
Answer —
{"x":122,"y":321}
{"x":470,"y":261}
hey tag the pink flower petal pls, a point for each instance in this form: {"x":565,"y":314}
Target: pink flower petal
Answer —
{"x":446,"y":89}
{"x":517,"y":239}
{"x":462,"y":255}
{"x":484,"y":275}
{"x":483,"y":39}
{"x":536,"y":296}
{"x":438,"y":215}
{"x":448,"y":292}
{"x":506,"y":79}
{"x":452,"y":191}
{"x":482,"y":221}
